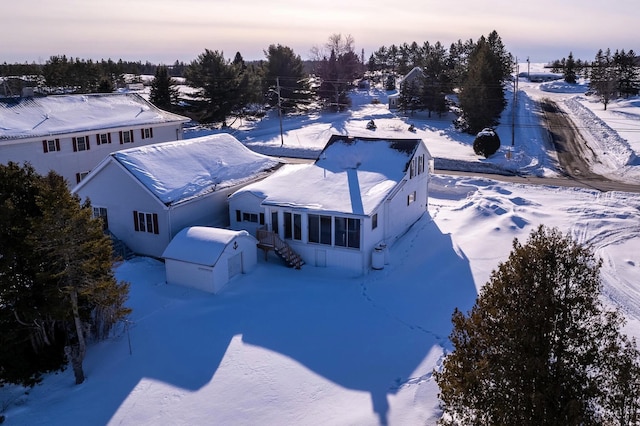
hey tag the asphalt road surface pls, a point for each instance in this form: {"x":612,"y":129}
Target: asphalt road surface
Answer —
{"x":572,"y":150}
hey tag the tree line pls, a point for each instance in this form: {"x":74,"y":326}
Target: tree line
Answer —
{"x":610,"y":75}
{"x":228,"y":88}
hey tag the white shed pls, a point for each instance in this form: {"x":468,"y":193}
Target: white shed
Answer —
{"x":207,"y":258}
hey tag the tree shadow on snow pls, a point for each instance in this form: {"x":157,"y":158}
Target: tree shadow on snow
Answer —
{"x":368,"y":334}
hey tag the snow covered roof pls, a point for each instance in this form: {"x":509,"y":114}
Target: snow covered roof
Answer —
{"x":200,"y":244}
{"x":61,"y":114}
{"x":351,"y":175}
{"x":181,"y":170}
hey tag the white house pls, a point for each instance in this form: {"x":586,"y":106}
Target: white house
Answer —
{"x":146,"y":195}
{"x":71,"y":134}
{"x":360,"y":193}
{"x":207,"y":258}
{"x":413,"y":76}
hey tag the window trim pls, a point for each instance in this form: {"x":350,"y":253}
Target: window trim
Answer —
{"x":129,"y":136}
{"x":317,"y":232}
{"x":351,"y":231}
{"x":146,"y":133}
{"x":142,"y":220}
{"x":81,"y":146}
{"x":99,"y":138}
{"x":46,"y":145}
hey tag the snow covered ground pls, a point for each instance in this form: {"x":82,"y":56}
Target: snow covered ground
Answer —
{"x":311,"y":346}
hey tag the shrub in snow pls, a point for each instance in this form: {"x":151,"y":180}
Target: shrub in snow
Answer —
{"x":486,"y":143}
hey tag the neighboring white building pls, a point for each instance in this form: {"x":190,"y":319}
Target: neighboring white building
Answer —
{"x":415,"y":75}
{"x":359,"y":194}
{"x":146,"y":195}
{"x":71,"y":134}
{"x":207,"y":258}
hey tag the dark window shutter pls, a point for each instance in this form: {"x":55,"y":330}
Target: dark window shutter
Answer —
{"x":109,"y":137}
{"x":75,"y":144}
{"x":77,"y":177}
{"x":155,"y":224}
{"x":97,"y":138}
{"x":45,"y":146}
{"x":261,"y":218}
{"x":57,"y":144}
{"x":135,"y":220}
{"x":150,"y":132}
{"x":121,"y":142}
{"x":142,"y":133}
{"x":131,"y":134}
{"x":238,"y":216}
{"x":86,"y":139}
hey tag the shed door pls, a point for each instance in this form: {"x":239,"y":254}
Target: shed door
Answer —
{"x":235,"y":265}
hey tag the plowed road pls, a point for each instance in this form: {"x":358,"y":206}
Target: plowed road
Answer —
{"x":571,"y":150}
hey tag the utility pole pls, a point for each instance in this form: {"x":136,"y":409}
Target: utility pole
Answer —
{"x":279,"y":109}
{"x":515,"y":104}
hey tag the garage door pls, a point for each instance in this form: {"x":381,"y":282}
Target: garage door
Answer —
{"x":235,"y":265}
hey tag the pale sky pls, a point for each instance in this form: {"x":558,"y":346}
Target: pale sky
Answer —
{"x":163,"y":31}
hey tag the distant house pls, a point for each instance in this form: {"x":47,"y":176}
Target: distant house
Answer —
{"x":414,"y":76}
{"x":146,"y":195}
{"x":71,"y":134}
{"x":207,"y":258}
{"x":359,"y":194}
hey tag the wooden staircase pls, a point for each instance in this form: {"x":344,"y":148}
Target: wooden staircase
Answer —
{"x":120,"y":249}
{"x":268,"y":240}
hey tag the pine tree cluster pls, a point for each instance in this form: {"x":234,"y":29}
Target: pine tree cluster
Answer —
{"x":57,"y":288}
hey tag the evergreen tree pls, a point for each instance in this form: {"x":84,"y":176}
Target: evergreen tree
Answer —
{"x":284,"y":71}
{"x":436,"y":82}
{"x":105,"y":85}
{"x":56,"y":282}
{"x":30,"y":344}
{"x":164,"y":93}
{"x":627,"y":73}
{"x":218,"y":84}
{"x":569,"y":70}
{"x":538,"y":347}
{"x":603,"y":77}
{"x":482,"y":92}
{"x":409,"y":96}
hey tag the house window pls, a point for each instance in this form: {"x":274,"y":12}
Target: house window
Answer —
{"x":51,"y":145}
{"x":80,"y":176}
{"x":80,"y":143}
{"x":101,"y":213}
{"x":146,"y":133}
{"x":103,"y":138}
{"x":274,"y":221}
{"x":411,"y":198}
{"x":347,"y":232}
{"x":319,"y":229}
{"x":145,"y":222}
{"x":374,"y":221}
{"x":126,"y":136}
{"x":293,"y":226}
{"x":250,"y":217}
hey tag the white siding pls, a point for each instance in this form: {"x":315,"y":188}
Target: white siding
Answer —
{"x":114,"y":189}
{"x":68,"y":163}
